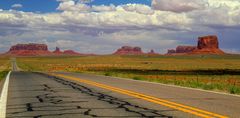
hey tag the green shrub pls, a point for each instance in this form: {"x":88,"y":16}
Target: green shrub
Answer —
{"x":138,"y":78}
{"x":208,"y":87}
{"x":3,"y":74}
{"x":234,"y":90}
{"x":108,"y":74}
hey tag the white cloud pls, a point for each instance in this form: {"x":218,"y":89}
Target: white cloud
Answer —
{"x":178,"y":5}
{"x":76,"y":16}
{"x":139,"y":8}
{"x":85,"y":1}
{"x":233,"y":4}
{"x":17,"y":6}
{"x":101,"y":8}
{"x":133,"y":24}
{"x":72,"y":6}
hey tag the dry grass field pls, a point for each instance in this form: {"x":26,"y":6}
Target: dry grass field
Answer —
{"x":5,"y":66}
{"x":210,"y":72}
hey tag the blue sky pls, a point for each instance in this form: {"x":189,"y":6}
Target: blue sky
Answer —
{"x":30,"y":5}
{"x":46,"y":6}
{"x":100,"y":27}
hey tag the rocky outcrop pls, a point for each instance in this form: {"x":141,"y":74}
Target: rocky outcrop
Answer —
{"x":128,"y":50}
{"x":185,"y":49}
{"x":210,"y":42}
{"x":30,"y":46}
{"x":71,"y":52}
{"x":30,"y":49}
{"x":57,"y":51}
{"x":206,"y":45}
{"x":33,"y":49}
{"x":152,"y":52}
{"x":171,"y":51}
{"x":182,"y":50}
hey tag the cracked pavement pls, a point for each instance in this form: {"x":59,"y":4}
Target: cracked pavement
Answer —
{"x":35,"y":95}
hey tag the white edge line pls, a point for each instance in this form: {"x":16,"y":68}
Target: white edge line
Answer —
{"x":129,"y":79}
{"x":3,"y":97}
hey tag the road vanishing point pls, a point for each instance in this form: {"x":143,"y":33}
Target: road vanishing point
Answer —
{"x":77,"y":95}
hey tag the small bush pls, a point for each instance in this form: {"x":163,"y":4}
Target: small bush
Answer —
{"x":208,"y":86}
{"x":138,"y":78}
{"x":108,"y":74}
{"x":234,"y":90}
{"x":194,"y":84}
{"x":3,"y":74}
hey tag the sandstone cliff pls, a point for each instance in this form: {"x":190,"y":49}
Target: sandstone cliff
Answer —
{"x":182,"y":50}
{"x":171,"y":51}
{"x":128,"y":50}
{"x":30,"y":49}
{"x":206,"y":45}
{"x":152,"y":52}
{"x":57,"y":51}
{"x":71,"y":52}
{"x":185,"y":49}
{"x":33,"y":49}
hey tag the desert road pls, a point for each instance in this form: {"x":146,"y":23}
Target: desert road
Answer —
{"x":76,"y":95}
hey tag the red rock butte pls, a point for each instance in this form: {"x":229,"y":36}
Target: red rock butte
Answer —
{"x":185,"y":49}
{"x":30,"y":46}
{"x":182,"y":50}
{"x":33,"y":49}
{"x":128,"y":50}
{"x":71,"y":52}
{"x":30,"y":49}
{"x":206,"y":45}
{"x":57,"y":51}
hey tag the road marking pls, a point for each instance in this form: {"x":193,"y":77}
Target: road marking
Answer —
{"x":3,"y":97}
{"x":177,"y":106}
{"x":170,"y":85}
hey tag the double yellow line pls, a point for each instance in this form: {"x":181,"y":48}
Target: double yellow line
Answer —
{"x":177,"y":106}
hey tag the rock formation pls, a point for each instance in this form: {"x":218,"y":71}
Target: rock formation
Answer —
{"x":171,"y":51}
{"x":185,"y":49}
{"x":33,"y":49}
{"x":206,"y":45}
{"x":152,"y":52}
{"x":30,"y":49}
{"x":57,"y":51}
{"x":128,"y":50}
{"x":30,"y":46}
{"x":71,"y":52}
{"x":182,"y":50}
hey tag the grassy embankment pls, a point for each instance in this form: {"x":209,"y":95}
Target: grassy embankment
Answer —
{"x":4,"y":67}
{"x":218,"y":73}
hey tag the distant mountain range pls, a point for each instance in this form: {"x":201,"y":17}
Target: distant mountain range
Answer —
{"x":206,"y":45}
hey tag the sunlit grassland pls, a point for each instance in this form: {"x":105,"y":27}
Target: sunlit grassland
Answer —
{"x":211,"y":72}
{"x":4,"y":66}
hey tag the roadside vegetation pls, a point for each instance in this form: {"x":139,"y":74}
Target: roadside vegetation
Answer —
{"x":209,"y":72}
{"x":4,"y":67}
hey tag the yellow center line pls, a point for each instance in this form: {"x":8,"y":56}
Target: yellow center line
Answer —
{"x":177,"y":106}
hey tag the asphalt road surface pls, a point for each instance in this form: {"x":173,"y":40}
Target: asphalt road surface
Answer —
{"x":75,"y":95}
